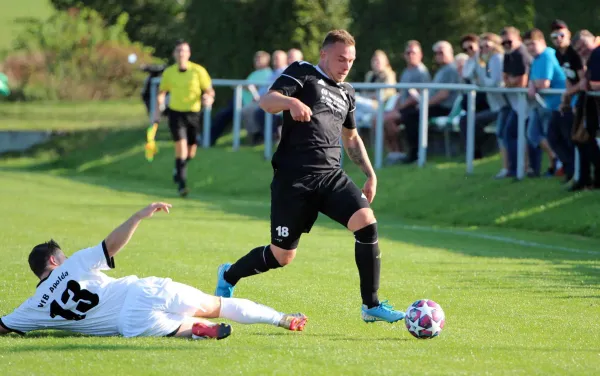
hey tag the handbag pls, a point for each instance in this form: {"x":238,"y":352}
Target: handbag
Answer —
{"x":580,"y":134}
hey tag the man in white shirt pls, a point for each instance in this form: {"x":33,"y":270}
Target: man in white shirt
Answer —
{"x":75,"y":295}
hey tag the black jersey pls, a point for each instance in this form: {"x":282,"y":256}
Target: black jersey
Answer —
{"x":570,"y":62}
{"x":313,"y":147}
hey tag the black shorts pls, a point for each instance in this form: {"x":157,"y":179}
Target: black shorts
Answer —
{"x":184,"y":126}
{"x":297,"y":201}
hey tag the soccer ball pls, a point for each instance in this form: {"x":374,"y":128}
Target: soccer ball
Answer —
{"x":425,"y":319}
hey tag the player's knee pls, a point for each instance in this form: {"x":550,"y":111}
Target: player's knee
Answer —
{"x":283,"y":256}
{"x":211,"y":307}
{"x":362,"y":218}
{"x":367,"y":234}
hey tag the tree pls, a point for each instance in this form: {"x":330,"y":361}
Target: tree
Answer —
{"x":388,"y":24}
{"x":225,"y":34}
{"x":580,"y":14}
{"x":75,"y":55}
{"x":156,"y":23}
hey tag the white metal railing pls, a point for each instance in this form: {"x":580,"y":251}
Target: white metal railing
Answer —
{"x":424,"y":89}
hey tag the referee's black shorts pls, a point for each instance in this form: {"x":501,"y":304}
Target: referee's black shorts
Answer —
{"x":297,"y":201}
{"x":184,"y":126}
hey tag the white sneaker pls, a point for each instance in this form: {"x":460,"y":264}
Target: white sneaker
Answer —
{"x":502,"y":174}
{"x":395,"y":157}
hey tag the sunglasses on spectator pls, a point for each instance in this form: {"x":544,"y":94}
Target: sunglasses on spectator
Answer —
{"x":438,"y":52}
{"x":467,"y":48}
{"x":507,"y":43}
{"x":556,"y":35}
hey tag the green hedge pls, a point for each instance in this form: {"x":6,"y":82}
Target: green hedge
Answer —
{"x":74,"y":55}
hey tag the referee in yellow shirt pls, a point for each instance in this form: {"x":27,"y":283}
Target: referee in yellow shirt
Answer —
{"x":188,"y":84}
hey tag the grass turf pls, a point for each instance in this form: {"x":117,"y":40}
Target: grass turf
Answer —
{"x":12,"y":11}
{"x":70,"y":116}
{"x":512,"y":307}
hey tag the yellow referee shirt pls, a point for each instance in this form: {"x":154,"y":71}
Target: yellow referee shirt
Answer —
{"x":185,"y":88}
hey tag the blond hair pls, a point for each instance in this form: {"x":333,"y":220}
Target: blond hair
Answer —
{"x":495,"y":39}
{"x":338,"y":35}
{"x":510,"y":30}
{"x":384,"y":57}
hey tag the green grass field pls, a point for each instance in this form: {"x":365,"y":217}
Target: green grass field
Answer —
{"x":516,"y":302}
{"x":11,"y":11}
{"x":68,"y":116}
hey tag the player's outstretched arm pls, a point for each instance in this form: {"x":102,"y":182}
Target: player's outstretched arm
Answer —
{"x":355,"y":148}
{"x":274,"y":102}
{"x":121,"y":235}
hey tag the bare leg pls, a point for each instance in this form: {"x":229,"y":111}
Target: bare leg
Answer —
{"x":192,"y":151}
{"x":181,"y":149}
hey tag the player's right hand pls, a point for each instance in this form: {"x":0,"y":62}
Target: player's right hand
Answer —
{"x":300,"y":111}
{"x":149,"y":210}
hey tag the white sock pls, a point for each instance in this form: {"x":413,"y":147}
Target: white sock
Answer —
{"x":245,"y":311}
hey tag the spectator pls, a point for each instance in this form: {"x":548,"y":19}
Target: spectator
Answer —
{"x":255,"y":128}
{"x":546,"y":73}
{"x":251,"y":95}
{"x":569,"y":60}
{"x":572,"y":66}
{"x":279,"y":65}
{"x":488,"y":74}
{"x":261,"y":72}
{"x":440,"y":102}
{"x":407,"y":102}
{"x":294,"y":55}
{"x":517,"y":62}
{"x":588,"y":111}
{"x":470,"y":46}
{"x":381,"y":72}
{"x":460,"y":60}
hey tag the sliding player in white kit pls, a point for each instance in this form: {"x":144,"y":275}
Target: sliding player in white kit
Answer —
{"x":74,"y":295}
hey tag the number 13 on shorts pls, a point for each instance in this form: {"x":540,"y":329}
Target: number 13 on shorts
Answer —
{"x":282,"y":231}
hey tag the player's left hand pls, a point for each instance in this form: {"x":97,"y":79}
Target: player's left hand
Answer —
{"x":370,"y":188}
{"x":149,"y":210}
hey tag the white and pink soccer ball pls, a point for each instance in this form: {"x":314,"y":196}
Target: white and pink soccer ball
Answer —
{"x":425,"y":319}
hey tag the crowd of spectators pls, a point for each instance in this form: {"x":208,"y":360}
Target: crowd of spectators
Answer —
{"x":557,"y":125}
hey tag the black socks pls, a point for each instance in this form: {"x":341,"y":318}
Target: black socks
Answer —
{"x":258,"y":260}
{"x":366,"y":253}
{"x":368,"y":261}
{"x":181,"y":171}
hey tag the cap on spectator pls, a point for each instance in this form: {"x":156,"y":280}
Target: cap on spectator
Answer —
{"x":558,"y":24}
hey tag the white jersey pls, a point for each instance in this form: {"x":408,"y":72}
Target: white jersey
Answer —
{"x":76,"y":296}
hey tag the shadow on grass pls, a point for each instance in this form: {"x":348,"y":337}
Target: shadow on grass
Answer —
{"x":338,"y":337}
{"x":92,"y":347}
{"x":238,"y":183}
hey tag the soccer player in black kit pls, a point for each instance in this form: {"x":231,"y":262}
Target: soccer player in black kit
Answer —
{"x":318,"y":108}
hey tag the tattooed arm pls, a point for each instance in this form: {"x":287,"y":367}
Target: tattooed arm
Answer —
{"x":355,"y":148}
